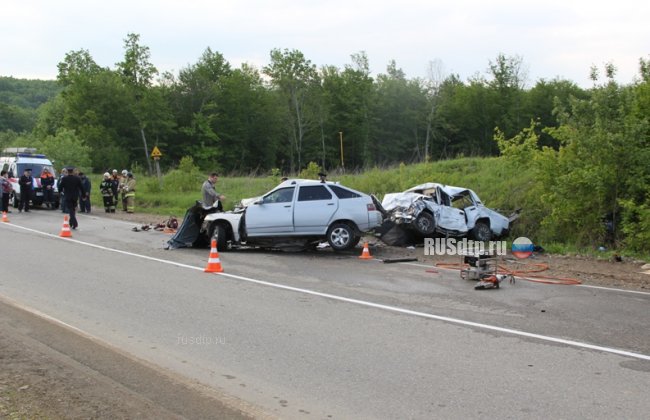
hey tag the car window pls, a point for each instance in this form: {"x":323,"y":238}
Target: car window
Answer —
{"x":462,"y":201}
{"x":343,"y":193}
{"x":313,"y":193}
{"x":283,"y":195}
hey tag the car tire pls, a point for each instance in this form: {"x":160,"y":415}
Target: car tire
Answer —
{"x":15,"y":202}
{"x":425,"y":224}
{"x":219,"y":234}
{"x":482,"y":232}
{"x":341,"y":237}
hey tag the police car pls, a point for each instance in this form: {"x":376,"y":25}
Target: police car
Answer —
{"x":15,"y":161}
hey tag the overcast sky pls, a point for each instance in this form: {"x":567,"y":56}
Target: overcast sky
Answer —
{"x":553,"y":37}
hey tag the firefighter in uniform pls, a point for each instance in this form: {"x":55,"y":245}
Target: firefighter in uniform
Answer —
{"x":129,"y":193}
{"x":106,"y":188}
{"x":121,"y":188}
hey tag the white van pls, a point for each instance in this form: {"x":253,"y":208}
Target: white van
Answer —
{"x":15,"y":161}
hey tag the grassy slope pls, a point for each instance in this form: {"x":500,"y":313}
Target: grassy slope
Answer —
{"x":497,"y":185}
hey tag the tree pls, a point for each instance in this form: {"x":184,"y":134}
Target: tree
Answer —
{"x":400,"y":113}
{"x":194,"y":99}
{"x":508,"y":80}
{"x":295,"y":78}
{"x":435,"y":79}
{"x":138,"y":72}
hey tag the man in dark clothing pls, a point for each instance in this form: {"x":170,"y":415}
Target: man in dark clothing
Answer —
{"x":84,"y":200}
{"x":26,"y":183}
{"x":72,"y":189}
{"x":63,"y":174}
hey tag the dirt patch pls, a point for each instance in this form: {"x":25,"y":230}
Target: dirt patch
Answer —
{"x":627,"y":273}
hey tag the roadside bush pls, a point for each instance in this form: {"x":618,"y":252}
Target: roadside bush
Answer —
{"x":186,"y":178}
{"x":311,"y":171}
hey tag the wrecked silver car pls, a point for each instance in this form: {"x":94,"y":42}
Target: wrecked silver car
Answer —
{"x":431,"y":208}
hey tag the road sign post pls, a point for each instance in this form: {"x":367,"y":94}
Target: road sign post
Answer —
{"x":156,"y":155}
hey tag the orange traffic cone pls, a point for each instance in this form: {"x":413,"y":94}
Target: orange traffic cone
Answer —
{"x":214,"y":264}
{"x":65,"y":230}
{"x":365,"y":255}
{"x":4,"y":217}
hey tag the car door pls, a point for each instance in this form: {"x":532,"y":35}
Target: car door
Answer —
{"x":315,"y":206}
{"x":272,"y":214}
{"x":449,"y":218}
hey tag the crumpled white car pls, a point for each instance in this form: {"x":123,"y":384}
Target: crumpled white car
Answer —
{"x":433,"y":208}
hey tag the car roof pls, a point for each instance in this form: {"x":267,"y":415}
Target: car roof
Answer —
{"x":310,"y":182}
{"x":299,"y":181}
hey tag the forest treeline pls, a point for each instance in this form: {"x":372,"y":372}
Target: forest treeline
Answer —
{"x":582,"y":153}
{"x":283,"y":115}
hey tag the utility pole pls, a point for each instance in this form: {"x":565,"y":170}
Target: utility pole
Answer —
{"x":341,"y":138}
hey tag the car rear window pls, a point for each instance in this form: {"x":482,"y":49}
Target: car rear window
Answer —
{"x":343,"y":193}
{"x":313,"y":193}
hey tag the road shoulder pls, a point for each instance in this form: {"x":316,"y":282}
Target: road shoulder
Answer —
{"x":49,"y":371}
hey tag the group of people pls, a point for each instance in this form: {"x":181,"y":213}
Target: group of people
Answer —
{"x":47,"y":181}
{"x":113,"y":186}
{"x":74,"y":191}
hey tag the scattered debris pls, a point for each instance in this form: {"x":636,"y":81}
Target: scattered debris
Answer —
{"x":398,"y":260}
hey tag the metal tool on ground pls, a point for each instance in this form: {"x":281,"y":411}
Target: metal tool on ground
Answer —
{"x":478,"y":265}
{"x":214,"y":264}
{"x":493,"y":281}
{"x":65,"y":230}
{"x":398,"y":260}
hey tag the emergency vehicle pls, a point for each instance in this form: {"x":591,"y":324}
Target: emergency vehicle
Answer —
{"x":15,"y":161}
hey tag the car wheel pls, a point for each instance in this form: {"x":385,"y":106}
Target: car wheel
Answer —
{"x":14,"y":200}
{"x":482,"y":232}
{"x":219,"y":234}
{"x":425,"y":224}
{"x":342,"y":237}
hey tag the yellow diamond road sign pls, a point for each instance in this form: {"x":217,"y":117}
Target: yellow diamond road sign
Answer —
{"x":155,"y":153}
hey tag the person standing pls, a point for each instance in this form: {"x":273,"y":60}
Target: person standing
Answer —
{"x":47,"y":183}
{"x":122,"y":186}
{"x":84,"y":200}
{"x":129,"y":193}
{"x":26,"y":183}
{"x":106,"y":188}
{"x":210,"y":194}
{"x":115,"y":180}
{"x":64,"y":173}
{"x":72,"y":189}
{"x":5,"y":191}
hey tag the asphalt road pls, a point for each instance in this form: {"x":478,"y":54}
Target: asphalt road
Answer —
{"x":330,"y":336}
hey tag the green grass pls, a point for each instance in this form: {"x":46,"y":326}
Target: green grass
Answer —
{"x":491,"y":178}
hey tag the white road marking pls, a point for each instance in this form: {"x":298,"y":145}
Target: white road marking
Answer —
{"x":395,"y":309}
